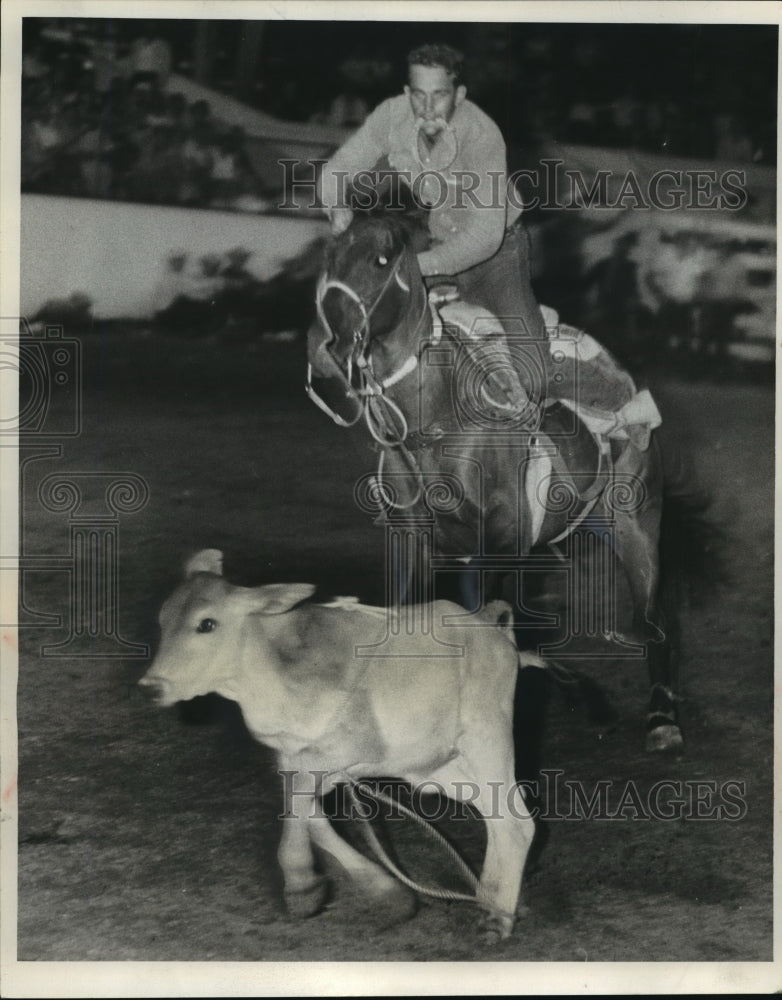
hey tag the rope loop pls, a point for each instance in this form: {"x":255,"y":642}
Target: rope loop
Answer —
{"x":377,"y":847}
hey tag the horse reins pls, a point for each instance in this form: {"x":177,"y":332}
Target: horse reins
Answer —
{"x":385,"y":420}
{"x":362,"y":337}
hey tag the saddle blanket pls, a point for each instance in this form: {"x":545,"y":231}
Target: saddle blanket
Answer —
{"x":582,"y":374}
{"x":592,"y":383}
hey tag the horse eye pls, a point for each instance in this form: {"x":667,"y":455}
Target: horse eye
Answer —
{"x":382,"y":260}
{"x":207,"y":625}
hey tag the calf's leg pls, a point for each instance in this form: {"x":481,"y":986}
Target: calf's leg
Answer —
{"x":375,"y":883}
{"x":304,"y":889}
{"x":489,"y":785}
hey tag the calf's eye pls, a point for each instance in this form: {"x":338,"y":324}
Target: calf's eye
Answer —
{"x":207,"y":625}
{"x":382,"y":260}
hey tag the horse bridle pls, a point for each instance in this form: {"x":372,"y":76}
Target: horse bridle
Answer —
{"x":370,"y":385}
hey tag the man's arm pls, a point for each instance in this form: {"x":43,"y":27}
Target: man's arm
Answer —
{"x":481,"y":215}
{"x":361,"y":152}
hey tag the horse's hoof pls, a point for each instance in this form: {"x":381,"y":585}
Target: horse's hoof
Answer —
{"x":664,"y":738}
{"x":495,"y":928}
{"x":306,"y":902}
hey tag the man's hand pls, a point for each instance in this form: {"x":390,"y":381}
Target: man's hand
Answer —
{"x":429,"y":264}
{"x":340,"y":219}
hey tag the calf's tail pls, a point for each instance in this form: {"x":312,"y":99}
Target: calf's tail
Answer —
{"x":558,"y":673}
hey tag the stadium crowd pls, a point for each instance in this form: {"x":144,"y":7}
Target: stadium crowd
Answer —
{"x":100,"y":120}
{"x":101,"y":124}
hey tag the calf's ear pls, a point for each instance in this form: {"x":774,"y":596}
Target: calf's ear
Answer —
{"x":205,"y":561}
{"x":277,"y":598}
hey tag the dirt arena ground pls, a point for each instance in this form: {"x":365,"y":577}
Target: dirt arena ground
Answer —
{"x":146,"y":835}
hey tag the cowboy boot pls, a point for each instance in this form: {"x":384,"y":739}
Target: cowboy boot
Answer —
{"x":502,"y":390}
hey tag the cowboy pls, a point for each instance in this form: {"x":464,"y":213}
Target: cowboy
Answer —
{"x":453,"y":156}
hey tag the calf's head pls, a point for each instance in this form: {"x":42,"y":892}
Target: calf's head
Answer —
{"x":203,"y":630}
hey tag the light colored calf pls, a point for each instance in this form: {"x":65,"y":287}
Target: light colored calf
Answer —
{"x":339,"y":688}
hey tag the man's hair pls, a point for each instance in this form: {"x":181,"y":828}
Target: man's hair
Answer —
{"x":447,"y":58}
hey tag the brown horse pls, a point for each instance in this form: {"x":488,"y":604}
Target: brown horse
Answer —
{"x":457,"y":479}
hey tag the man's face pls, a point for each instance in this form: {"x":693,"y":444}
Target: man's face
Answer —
{"x":433,"y":97}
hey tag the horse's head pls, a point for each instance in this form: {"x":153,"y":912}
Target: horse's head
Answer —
{"x":370,"y":295}
{"x":371,"y":282}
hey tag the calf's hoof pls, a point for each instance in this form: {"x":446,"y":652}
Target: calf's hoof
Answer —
{"x":495,"y":927}
{"x":665,"y":738}
{"x":306,"y":902}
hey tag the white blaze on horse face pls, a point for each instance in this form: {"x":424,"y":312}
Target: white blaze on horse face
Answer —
{"x":325,"y":285}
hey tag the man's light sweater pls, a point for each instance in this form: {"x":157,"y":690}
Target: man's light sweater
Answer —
{"x":470,"y":209}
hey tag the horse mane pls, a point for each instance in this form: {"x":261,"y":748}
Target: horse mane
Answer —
{"x":395,"y":206}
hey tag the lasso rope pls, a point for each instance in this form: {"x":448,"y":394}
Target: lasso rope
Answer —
{"x":434,"y":892}
{"x":385,"y":420}
{"x":478,"y":896}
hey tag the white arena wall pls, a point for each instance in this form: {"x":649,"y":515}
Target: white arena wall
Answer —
{"x":116,"y":253}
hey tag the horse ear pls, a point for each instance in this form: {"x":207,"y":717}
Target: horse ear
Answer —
{"x":205,"y":561}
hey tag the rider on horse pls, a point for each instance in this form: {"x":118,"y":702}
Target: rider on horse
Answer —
{"x":453,"y":157}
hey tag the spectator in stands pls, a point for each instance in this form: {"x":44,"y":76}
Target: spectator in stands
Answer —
{"x":348,"y":110}
{"x":150,"y":60}
{"x":41,"y":141}
{"x":624,"y":122}
{"x":105,"y":68}
{"x":177,"y":113}
{"x":34,"y":64}
{"x":223,"y":175}
{"x":200,"y":118}
{"x":232,"y":176}
{"x":157,"y":108}
{"x":157,"y":176}
{"x":68,"y":68}
{"x":197,"y":154}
